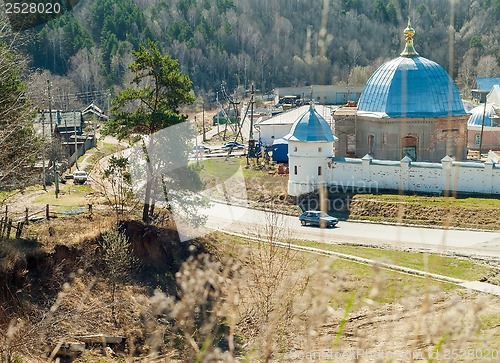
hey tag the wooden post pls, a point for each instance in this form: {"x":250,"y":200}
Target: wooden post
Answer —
{"x":26,"y":215}
{"x":47,"y":212}
{"x":2,"y":227}
{"x":19,"y":229}
{"x":9,"y":227}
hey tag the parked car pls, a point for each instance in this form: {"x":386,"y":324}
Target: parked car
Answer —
{"x":201,"y":149}
{"x":316,"y":218}
{"x":233,"y":145}
{"x":80,"y":177}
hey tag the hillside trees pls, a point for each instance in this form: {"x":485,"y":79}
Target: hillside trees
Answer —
{"x":281,"y":42}
{"x":149,"y":106}
{"x":57,"y":42}
{"x":18,"y":143}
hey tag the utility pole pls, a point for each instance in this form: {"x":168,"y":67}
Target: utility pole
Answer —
{"x":196,"y":141}
{"x":250,"y":137}
{"x":43,"y":153}
{"x":203,"y":122}
{"x":50,"y":109}
{"x":482,"y":129}
{"x":76,"y":142}
{"x":56,"y":178}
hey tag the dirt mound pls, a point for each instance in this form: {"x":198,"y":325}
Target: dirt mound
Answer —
{"x":31,"y":275}
{"x":158,"y":248}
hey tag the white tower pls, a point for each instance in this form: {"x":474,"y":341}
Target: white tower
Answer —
{"x":310,"y":145}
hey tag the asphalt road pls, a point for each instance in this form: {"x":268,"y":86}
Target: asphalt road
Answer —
{"x":255,"y":222}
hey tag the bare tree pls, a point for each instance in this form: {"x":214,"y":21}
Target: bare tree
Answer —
{"x":487,"y":66}
{"x":18,"y":144}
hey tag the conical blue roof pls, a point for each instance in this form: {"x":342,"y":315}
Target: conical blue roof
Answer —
{"x":411,"y":87}
{"x":311,"y":126}
{"x":476,"y":118}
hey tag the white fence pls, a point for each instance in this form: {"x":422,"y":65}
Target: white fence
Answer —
{"x":369,"y":175}
{"x":406,"y":175}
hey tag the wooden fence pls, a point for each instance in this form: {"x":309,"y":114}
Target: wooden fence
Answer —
{"x":10,"y":222}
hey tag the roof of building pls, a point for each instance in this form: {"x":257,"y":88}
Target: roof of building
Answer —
{"x":310,"y":126}
{"x":411,"y":86}
{"x":484,"y":84}
{"x":490,"y":116}
{"x":289,"y":117}
{"x":60,"y":118}
{"x":94,"y":109}
{"x":494,"y":95}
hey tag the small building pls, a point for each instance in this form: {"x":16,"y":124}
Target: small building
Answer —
{"x":321,"y":94}
{"x":483,"y":86}
{"x":278,"y":126}
{"x":484,"y":120}
{"x":94,"y":111}
{"x":62,"y":123}
{"x":310,"y":144}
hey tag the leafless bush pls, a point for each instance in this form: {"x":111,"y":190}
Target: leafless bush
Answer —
{"x":200,"y":323}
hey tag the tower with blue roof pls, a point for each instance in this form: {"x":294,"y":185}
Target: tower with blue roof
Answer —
{"x":310,"y":148}
{"x":409,"y":107}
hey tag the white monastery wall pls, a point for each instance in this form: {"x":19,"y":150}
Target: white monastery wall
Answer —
{"x":368,"y":175}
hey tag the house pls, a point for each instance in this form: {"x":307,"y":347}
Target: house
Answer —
{"x":485,"y":122}
{"x":94,"y":111}
{"x":483,"y":86}
{"x":278,"y":126}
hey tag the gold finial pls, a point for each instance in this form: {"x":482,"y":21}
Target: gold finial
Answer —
{"x":409,"y":50}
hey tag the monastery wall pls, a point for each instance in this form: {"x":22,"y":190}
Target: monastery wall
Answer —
{"x":370,"y":176}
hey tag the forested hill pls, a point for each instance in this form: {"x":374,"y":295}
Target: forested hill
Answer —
{"x":269,"y":42}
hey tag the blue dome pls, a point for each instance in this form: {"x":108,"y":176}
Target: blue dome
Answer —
{"x":412,"y":87}
{"x":476,"y":118}
{"x":310,"y":127}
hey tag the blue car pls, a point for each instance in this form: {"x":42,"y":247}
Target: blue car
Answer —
{"x":317,"y":218}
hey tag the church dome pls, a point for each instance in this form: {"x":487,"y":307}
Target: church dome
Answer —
{"x":411,"y":86}
{"x":311,"y":126}
{"x":476,"y":118}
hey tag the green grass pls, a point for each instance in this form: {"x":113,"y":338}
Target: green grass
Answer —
{"x":219,"y":169}
{"x":443,"y":265}
{"x":432,"y":200}
{"x":70,"y":196}
{"x":360,"y":278}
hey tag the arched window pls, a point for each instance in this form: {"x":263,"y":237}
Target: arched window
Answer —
{"x":295,"y":169}
{"x":477,"y":139}
{"x":319,"y":170}
{"x":409,"y":145}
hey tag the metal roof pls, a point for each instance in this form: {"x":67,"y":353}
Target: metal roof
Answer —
{"x":310,"y":126}
{"x":411,"y":87}
{"x":476,"y":118}
{"x":290,"y":116}
{"x":486,"y":83}
{"x":60,"y":118}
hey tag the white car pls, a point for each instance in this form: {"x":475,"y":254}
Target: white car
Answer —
{"x":80,"y":177}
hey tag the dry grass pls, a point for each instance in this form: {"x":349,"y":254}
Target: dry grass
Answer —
{"x":258,"y":302}
{"x":243,"y":302}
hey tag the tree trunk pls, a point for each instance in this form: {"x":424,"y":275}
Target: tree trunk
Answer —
{"x":149,"y":183}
